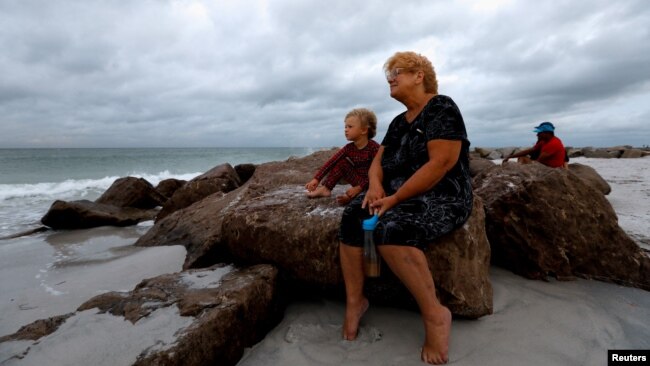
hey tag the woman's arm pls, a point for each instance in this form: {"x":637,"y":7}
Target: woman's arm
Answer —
{"x":443,"y":155}
{"x":375,"y":179}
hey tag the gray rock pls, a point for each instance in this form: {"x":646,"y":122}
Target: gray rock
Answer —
{"x":269,"y":220}
{"x":574,"y":153}
{"x":478,"y":165}
{"x":131,"y":192}
{"x":37,"y":329}
{"x":228,"y":318}
{"x":299,"y":236}
{"x":493,"y":155}
{"x":168,"y":187}
{"x":222,"y":178}
{"x":85,"y":214}
{"x":548,"y":222}
{"x":245,"y":171}
{"x":591,"y":177}
{"x":229,"y":313}
{"x":632,"y":153}
{"x":198,"y":227}
{"x":602,"y":154}
{"x":507,"y":151}
{"x":483,"y":151}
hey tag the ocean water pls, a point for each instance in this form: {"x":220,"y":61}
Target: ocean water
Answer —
{"x":32,"y":179}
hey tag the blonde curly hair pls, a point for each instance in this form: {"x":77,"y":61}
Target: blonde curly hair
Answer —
{"x":415,"y":62}
{"x":367,"y":118}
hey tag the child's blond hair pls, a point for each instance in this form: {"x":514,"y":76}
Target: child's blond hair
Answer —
{"x":367,"y":118}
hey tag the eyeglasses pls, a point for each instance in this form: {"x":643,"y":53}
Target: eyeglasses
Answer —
{"x":392,"y":74}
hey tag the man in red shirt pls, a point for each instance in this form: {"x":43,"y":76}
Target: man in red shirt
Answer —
{"x":548,"y":150}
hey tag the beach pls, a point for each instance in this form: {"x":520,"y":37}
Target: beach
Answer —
{"x":534,"y":322}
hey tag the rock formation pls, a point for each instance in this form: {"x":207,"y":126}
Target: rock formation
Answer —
{"x":167,"y":187}
{"x":229,"y":312}
{"x":222,"y":178}
{"x":542,"y":221}
{"x":85,"y":214}
{"x":132,"y":192}
{"x":591,"y":177}
{"x":269,"y":220}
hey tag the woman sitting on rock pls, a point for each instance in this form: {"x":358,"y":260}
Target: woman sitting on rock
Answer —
{"x":419,"y":185}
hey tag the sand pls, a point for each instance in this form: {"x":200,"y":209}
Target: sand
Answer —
{"x":534,"y":322}
{"x":53,"y":274}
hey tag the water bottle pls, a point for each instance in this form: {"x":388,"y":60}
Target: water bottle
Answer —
{"x":370,"y":257}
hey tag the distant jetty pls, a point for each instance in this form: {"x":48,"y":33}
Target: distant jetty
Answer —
{"x":614,"y":152}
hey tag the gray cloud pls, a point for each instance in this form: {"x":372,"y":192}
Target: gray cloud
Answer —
{"x":282,"y":73}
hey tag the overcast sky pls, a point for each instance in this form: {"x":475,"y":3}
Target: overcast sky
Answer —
{"x":285,"y":72}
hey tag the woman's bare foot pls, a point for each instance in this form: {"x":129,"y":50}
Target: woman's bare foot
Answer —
{"x":321,"y":191}
{"x":437,"y":327}
{"x":353,"y":315}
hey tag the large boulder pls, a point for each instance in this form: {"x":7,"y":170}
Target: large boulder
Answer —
{"x":460,"y":261}
{"x":132,"y":192}
{"x":289,"y":230}
{"x":85,"y":214}
{"x":600,"y":153}
{"x":632,"y":153}
{"x":245,"y":171}
{"x":198,"y":227}
{"x":507,"y":151}
{"x":222,"y":178}
{"x":478,"y":165}
{"x":229,"y":310}
{"x":167,"y":187}
{"x":269,"y":220}
{"x":590,"y":176}
{"x":37,"y":329}
{"x":574,"y":152}
{"x":299,"y":236}
{"x":543,"y":221}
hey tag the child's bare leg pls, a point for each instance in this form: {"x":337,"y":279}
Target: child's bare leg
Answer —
{"x":321,"y":191}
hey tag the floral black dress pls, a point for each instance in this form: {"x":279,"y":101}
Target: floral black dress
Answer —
{"x":419,"y":220}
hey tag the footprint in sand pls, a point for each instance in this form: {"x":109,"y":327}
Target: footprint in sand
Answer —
{"x":327,"y":333}
{"x":323,"y":344}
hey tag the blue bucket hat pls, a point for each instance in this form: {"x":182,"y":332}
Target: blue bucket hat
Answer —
{"x":544,"y":127}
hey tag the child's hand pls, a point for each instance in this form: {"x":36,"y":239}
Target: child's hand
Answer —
{"x":311,"y":185}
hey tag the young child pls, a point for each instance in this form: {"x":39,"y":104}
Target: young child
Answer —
{"x":352,"y":161}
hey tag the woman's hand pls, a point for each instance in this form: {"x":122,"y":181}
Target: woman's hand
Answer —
{"x":383,"y":204}
{"x":375,"y":192}
{"x":311,"y":185}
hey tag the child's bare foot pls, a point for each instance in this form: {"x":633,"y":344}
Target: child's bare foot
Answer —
{"x":353,"y":315}
{"x":321,"y":191}
{"x":343,"y":199}
{"x":437,"y":326}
